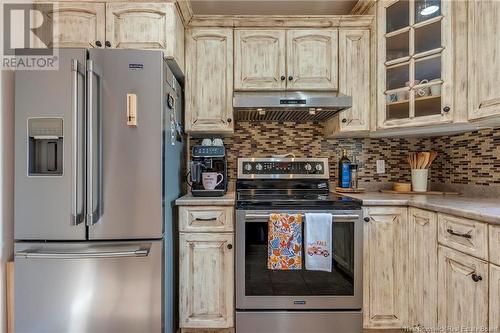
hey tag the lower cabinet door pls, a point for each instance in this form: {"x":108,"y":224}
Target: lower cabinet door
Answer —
{"x":385,"y":287}
{"x":462,"y":292}
{"x":206,"y":280}
{"x":494,"y":298}
{"x":423,"y":267}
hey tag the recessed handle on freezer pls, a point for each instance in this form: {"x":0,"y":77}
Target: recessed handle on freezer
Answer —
{"x":451,"y":232}
{"x":91,"y":71}
{"x":75,"y":70}
{"x":82,"y":255}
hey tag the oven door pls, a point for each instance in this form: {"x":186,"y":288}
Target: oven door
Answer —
{"x":257,"y":287}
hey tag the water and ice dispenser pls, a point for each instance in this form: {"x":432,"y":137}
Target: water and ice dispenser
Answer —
{"x":45,"y":147}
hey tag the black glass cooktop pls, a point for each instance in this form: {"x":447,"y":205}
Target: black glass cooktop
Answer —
{"x":294,"y":199}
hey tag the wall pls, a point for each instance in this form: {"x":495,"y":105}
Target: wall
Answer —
{"x":471,"y":158}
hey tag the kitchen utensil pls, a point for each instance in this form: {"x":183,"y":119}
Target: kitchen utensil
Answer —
{"x":401,"y":187}
{"x":419,"y":179}
{"x":433,"y":155}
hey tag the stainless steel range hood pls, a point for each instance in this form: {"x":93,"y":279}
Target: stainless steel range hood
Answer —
{"x":288,"y":105}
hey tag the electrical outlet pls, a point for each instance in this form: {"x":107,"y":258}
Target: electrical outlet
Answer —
{"x":380,"y":166}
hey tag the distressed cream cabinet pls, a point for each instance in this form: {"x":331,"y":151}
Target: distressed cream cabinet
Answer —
{"x":259,"y":59}
{"x":484,"y":60}
{"x":298,"y":59}
{"x":354,"y":81}
{"x":135,"y":25}
{"x":462,"y":290}
{"x":415,"y":64}
{"x":385,"y":290}
{"x":149,"y":26}
{"x":206,"y":267}
{"x":422,"y":267}
{"x":75,"y":24}
{"x":209,"y":81}
{"x":494,"y":298}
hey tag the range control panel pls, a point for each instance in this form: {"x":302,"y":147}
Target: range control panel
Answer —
{"x":292,"y":168}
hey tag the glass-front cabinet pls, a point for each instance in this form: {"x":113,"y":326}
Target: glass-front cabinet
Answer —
{"x":414,"y":63}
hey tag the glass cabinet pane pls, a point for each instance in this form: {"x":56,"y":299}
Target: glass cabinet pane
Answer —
{"x":398,"y":16}
{"x":430,"y":103}
{"x":428,"y":69}
{"x":428,"y":37}
{"x":398,"y":46}
{"x":426,"y":9}
{"x":397,"y":76}
{"x":398,"y":110}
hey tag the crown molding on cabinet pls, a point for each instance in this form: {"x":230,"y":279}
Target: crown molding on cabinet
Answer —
{"x":186,"y":11}
{"x":363,"y":6}
{"x":282,"y":21}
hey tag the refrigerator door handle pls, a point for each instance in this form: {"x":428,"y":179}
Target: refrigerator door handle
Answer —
{"x":93,"y":70}
{"x":34,"y":254}
{"x":76,"y":69}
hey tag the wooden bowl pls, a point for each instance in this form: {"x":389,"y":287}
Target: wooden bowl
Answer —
{"x":401,"y":187}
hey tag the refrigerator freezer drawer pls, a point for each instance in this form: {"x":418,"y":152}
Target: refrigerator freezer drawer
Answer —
{"x":89,"y":287}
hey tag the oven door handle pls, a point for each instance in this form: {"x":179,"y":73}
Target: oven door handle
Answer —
{"x":335,"y":217}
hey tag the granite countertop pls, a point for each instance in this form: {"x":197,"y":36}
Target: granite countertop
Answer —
{"x":477,"y":208}
{"x":226,"y":200}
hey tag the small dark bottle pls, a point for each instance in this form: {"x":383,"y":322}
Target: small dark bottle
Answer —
{"x":344,"y":171}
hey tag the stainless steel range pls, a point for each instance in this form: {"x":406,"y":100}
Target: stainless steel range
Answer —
{"x":295,"y":300}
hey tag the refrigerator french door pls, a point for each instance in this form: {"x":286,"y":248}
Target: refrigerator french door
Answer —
{"x":90,"y":148}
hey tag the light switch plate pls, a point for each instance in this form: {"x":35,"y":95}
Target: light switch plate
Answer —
{"x":380,"y":166}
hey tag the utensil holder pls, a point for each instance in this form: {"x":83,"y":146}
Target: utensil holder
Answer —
{"x":419,"y":180}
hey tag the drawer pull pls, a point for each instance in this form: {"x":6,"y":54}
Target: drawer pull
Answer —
{"x":476,"y":278}
{"x":229,"y":246}
{"x":451,"y":232}
{"x":206,"y":219}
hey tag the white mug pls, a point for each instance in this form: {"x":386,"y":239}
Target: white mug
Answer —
{"x":210,"y":180}
{"x":206,"y":142}
{"x":436,"y":90}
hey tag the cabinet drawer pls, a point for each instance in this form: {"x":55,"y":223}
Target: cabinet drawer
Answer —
{"x":206,"y":219}
{"x":464,"y":235}
{"x":494,"y":244}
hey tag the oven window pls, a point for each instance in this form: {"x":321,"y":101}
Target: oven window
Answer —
{"x":260,"y":281}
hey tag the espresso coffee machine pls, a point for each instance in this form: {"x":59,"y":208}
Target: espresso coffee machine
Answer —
{"x":208,"y":171}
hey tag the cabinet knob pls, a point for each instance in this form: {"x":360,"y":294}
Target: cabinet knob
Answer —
{"x":98,"y":43}
{"x":366,"y":219}
{"x":107,"y":43}
{"x":229,"y":246}
{"x":476,"y":278}
{"x":290,"y":78}
{"x":229,"y":120}
{"x":446,"y":109}
{"x":283,"y":77}
{"x":344,"y":120}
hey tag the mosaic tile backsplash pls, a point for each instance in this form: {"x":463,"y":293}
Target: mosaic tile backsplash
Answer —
{"x":471,"y":158}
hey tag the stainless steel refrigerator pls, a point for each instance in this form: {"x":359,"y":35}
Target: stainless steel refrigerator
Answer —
{"x":97,"y":167}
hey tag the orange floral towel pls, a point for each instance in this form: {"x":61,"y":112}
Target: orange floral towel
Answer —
{"x":284,"y":251}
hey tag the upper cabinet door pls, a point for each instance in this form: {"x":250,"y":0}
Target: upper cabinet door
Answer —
{"x":138,"y":25}
{"x":312,"y":59}
{"x":209,"y":81}
{"x":259,"y":58}
{"x":415,"y":63}
{"x":76,"y":24}
{"x":484,"y":62}
{"x":354,"y":77}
